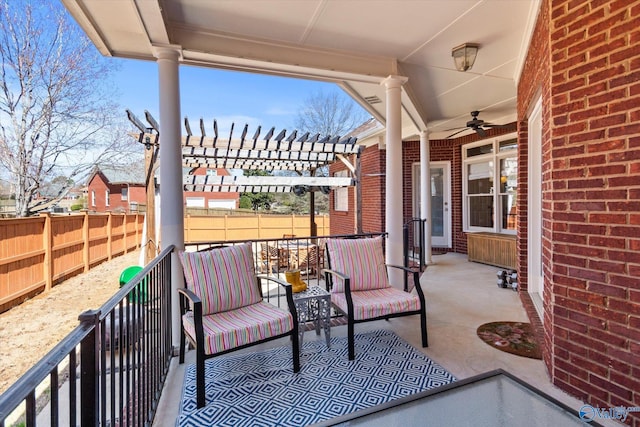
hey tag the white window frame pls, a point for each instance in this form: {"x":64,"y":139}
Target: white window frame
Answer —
{"x":93,"y":198}
{"x":124,"y":194}
{"x":106,"y":197}
{"x":495,"y":156}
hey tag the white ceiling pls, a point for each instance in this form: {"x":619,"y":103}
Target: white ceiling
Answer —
{"x":354,"y":43}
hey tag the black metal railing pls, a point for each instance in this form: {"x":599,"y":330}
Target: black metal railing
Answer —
{"x":413,"y":240}
{"x":110,"y":370}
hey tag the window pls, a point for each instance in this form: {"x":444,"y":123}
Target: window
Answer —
{"x":341,"y":195}
{"x":93,"y":197}
{"x":106,"y":198}
{"x":487,"y":206}
{"x":124,"y":194}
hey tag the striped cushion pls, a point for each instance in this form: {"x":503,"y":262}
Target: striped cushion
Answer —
{"x":224,"y":278}
{"x":378,"y":302}
{"x":361,"y":260}
{"x":244,"y":325}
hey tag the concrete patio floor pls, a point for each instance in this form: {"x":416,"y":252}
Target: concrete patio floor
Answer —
{"x":461,"y":295}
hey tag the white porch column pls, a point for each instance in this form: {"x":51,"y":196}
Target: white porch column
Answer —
{"x":171,"y":204}
{"x":393,"y":177}
{"x":425,"y":192}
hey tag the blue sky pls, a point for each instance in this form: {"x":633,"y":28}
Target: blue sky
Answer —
{"x":227,"y":96}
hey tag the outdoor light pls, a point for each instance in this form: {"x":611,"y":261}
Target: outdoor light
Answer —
{"x":464,"y":56}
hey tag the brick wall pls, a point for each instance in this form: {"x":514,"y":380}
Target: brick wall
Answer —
{"x":372,"y":168}
{"x":342,"y":222}
{"x":591,"y":195}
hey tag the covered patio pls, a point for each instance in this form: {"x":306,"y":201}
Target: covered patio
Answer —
{"x":565,"y":72}
{"x":456,"y":306}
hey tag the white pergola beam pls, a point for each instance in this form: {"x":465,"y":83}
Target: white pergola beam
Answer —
{"x":286,"y":181}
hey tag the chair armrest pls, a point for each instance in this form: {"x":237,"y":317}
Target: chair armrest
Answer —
{"x":288,"y":292}
{"x":187,"y":296}
{"x":407,"y":269}
{"x":335,"y":273}
{"x":416,"y":278}
{"x":328,"y":278}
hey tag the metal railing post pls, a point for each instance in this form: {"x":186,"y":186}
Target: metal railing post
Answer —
{"x":423,"y":248}
{"x":405,"y":254}
{"x":89,"y":371}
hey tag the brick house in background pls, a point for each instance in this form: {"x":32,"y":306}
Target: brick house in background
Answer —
{"x":116,"y":189}
{"x":207,"y":199}
{"x":123,"y":190}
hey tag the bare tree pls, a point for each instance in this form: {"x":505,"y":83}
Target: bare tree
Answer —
{"x":56,"y":114}
{"x":329,"y":113}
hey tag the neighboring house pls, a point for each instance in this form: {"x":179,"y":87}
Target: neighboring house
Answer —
{"x":123,"y":190}
{"x":116,"y":189}
{"x":207,"y":199}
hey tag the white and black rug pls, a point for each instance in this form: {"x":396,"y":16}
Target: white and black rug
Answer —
{"x":260,"y":389}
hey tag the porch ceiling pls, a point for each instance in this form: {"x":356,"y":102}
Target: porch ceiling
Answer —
{"x":355,"y":44}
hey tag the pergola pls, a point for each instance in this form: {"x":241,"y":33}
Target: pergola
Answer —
{"x":302,"y":154}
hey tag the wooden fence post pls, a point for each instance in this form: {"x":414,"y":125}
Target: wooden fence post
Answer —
{"x":47,"y":245}
{"x":109,"y":236}
{"x":187,"y":223}
{"x":138,"y":239}
{"x":85,"y":237}
{"x":124,"y":233}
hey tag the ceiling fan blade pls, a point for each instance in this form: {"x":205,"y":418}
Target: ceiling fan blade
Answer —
{"x":455,"y":133}
{"x":455,"y":128}
{"x":481,"y":132}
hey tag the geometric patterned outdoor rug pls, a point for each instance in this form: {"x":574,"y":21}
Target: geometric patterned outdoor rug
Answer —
{"x":260,"y":389}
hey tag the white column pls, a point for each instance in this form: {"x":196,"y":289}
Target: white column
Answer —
{"x":171,"y":200}
{"x":393,"y":177}
{"x":425,"y":192}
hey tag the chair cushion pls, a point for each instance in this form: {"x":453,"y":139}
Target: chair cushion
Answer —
{"x":361,"y":260}
{"x":377,"y":302}
{"x":223,"y":278}
{"x":234,"y":328}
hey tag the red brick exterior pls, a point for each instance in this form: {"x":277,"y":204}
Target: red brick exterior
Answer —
{"x":584,"y":60}
{"x":99,"y":184}
{"x":372,"y":167}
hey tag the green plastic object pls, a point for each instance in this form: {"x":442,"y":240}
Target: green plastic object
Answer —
{"x":139,"y":294}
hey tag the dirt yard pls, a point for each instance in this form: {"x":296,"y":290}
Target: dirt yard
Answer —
{"x":30,"y":330}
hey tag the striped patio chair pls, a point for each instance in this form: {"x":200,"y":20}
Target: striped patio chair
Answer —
{"x":360,"y":289}
{"x":222,"y":308}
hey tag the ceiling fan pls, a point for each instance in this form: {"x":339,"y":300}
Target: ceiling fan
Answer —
{"x":476,"y":124}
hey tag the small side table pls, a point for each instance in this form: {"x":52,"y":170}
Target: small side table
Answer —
{"x":313,"y":304}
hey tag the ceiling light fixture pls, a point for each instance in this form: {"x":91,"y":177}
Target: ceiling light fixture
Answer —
{"x":465,"y":55}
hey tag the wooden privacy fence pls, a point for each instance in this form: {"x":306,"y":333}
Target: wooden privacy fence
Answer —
{"x":230,"y":227}
{"x":39,"y":252}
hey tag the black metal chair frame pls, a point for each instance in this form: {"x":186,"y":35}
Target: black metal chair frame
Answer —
{"x":351,"y":321}
{"x":190,"y":301}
